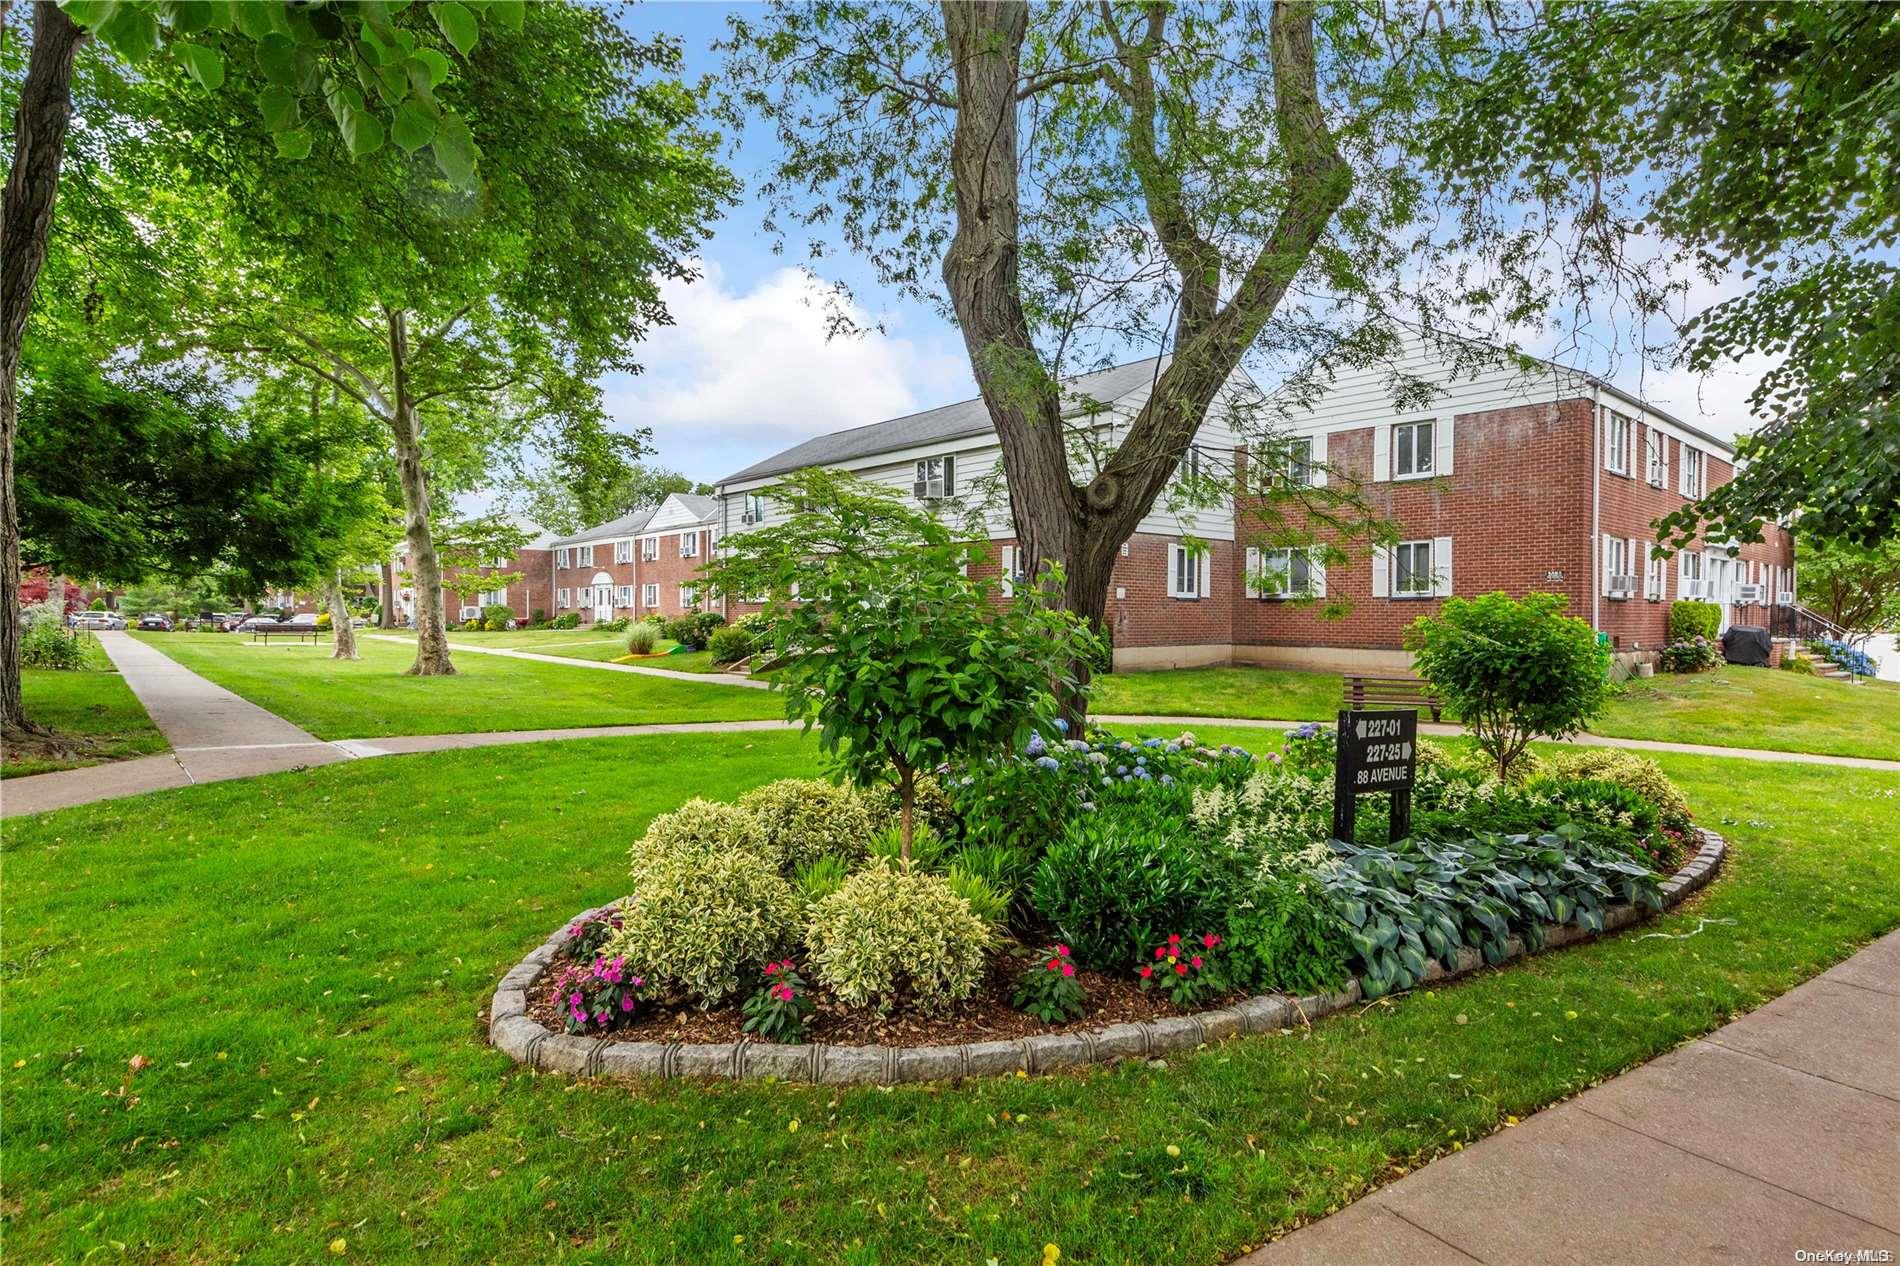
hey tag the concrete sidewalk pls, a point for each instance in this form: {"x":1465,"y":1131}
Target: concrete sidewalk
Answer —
{"x":1776,"y":1133}
{"x":214,"y":735}
{"x":639,"y":670}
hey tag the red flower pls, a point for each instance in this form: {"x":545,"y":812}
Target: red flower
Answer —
{"x":1055,"y":964}
{"x":1147,"y":972}
{"x":1062,"y":951}
{"x":1210,"y":940}
{"x":1180,"y":969}
{"x":771,"y":969}
{"x":1175,"y":939}
{"x":1196,"y":960}
{"x":1161,"y":951}
{"x":1068,"y":969}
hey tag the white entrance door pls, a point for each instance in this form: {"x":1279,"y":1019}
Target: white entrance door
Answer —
{"x":603,"y":597}
{"x":1722,"y":585}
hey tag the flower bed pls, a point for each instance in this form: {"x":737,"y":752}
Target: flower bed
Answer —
{"x":1101,"y":894}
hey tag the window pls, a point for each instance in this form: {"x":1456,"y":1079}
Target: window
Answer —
{"x":1689,"y":573}
{"x":1299,"y":462}
{"x":623,"y":596}
{"x":1691,"y":472}
{"x":563,"y":558}
{"x":1285,"y":573}
{"x":1190,"y":467}
{"x":1655,"y":575}
{"x":1412,"y":451}
{"x":1013,"y":569}
{"x":1412,"y":575}
{"x":1187,"y":572}
{"x":1618,"y":437}
{"x":649,"y":549}
{"x":1619,"y":578}
{"x":689,"y":596}
{"x":936,"y":478}
{"x":623,"y":551}
{"x":1657,"y":456}
{"x":563,"y":598}
{"x":754,"y":511}
{"x":493,"y":598}
{"x":649,"y":596}
{"x":584,"y":556}
{"x":689,"y":545}
{"x":586,"y":596}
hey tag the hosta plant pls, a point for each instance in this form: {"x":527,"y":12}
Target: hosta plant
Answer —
{"x":1048,"y":989}
{"x":779,"y":1010}
{"x":1184,"y":969}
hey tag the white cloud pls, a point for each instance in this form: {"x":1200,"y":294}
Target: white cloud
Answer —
{"x":742,"y":374}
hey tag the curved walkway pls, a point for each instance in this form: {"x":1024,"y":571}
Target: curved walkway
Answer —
{"x":1775,"y":1134}
{"x":640,"y":670}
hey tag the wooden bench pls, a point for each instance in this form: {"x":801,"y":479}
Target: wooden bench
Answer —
{"x":1390,"y":692}
{"x":298,"y":631}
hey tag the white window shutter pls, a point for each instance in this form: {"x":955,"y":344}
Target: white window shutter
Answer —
{"x":1682,"y":574}
{"x":1319,"y":460}
{"x":1381,"y":571}
{"x":1207,"y":573}
{"x":950,"y":475}
{"x":1441,"y":438}
{"x":1009,"y":571}
{"x":1252,"y":582}
{"x":1174,"y":571}
{"x":1441,"y":566}
{"x":1316,"y":573}
{"x":1608,"y":562}
{"x":1629,"y":564}
{"x":1381,"y":453}
{"x":1642,"y":569}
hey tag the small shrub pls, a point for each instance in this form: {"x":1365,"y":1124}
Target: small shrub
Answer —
{"x":567,"y":620}
{"x":729,"y":645}
{"x":498,"y":617}
{"x":699,"y":921}
{"x":323,"y":620}
{"x":587,"y":934}
{"x":1512,"y":669}
{"x":539,"y":618}
{"x":597,"y":996}
{"x":1113,"y":886}
{"x":1690,"y":619}
{"x":45,"y":642}
{"x":1592,"y":802}
{"x":892,"y":934}
{"x":616,"y":625}
{"x":1184,"y":970}
{"x":819,"y":879}
{"x":1798,"y":664}
{"x":929,"y":802}
{"x":988,"y":902}
{"x":926,"y":851}
{"x":701,"y":826}
{"x":1048,"y":989}
{"x":682,"y":629}
{"x":1281,"y":935}
{"x":1845,"y":655}
{"x":1695,"y":655}
{"x":642,"y":638}
{"x":1310,"y":750}
{"x":1626,"y":769}
{"x":780,"y":1009}
{"x":804,"y":819}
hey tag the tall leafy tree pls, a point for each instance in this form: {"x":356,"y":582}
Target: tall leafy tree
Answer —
{"x":460,"y":319}
{"x":312,"y":52}
{"x":1075,"y":181}
{"x":1758,"y":137}
{"x":1855,"y":586}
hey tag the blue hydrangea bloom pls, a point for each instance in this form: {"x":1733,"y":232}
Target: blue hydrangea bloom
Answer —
{"x":1167,"y":780}
{"x":1121,"y":769}
{"x":1048,"y":762}
{"x":1035,"y":747}
{"x":1062,"y":726}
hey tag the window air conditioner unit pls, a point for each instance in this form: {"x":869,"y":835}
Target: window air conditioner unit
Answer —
{"x":1702,"y":589}
{"x":1785,"y":598}
{"x":1622,"y":586}
{"x":1750,"y":594}
{"x":748,"y":518}
{"x":927,"y":489}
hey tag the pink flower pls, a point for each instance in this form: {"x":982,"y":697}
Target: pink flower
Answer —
{"x":771,"y":969}
{"x":1196,"y":960}
{"x":1068,"y":969}
{"x":1175,"y":939}
{"x":626,"y":1004}
{"x":1210,"y":940}
{"x":1062,"y":951}
{"x":784,"y":993}
{"x":1161,"y":951}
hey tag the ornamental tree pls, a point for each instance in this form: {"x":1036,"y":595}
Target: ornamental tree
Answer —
{"x":1857,"y":587}
{"x":1512,"y":669}
{"x":900,"y":659}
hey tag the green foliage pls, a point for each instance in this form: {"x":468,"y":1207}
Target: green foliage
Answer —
{"x":642,"y":638}
{"x":566,"y":620}
{"x":929,"y":803}
{"x":818,"y":879}
{"x":1629,"y":770}
{"x":700,"y":921}
{"x":893,"y":934}
{"x":804,"y":819}
{"x":1856,"y":587}
{"x":1692,"y":655}
{"x":1512,"y":670}
{"x":782,"y":1006}
{"x":46,"y":642}
{"x":497,"y":616}
{"x":694,"y":628}
{"x":925,"y":849}
{"x":701,"y":827}
{"x":1188,"y":969}
{"x":899,"y":659}
{"x":1114,"y":885}
{"x":987,"y":901}
{"x":1691,"y":619}
{"x":728,"y":645}
{"x":1048,"y":989}
{"x":1281,"y":934}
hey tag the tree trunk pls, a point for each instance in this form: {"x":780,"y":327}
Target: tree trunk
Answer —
{"x":342,"y":632}
{"x":386,"y":604}
{"x":425,"y":568}
{"x":26,"y":221}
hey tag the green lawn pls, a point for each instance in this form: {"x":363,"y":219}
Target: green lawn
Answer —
{"x":371,"y":697}
{"x":1732,"y":707}
{"x":94,"y":705}
{"x":300,"y":963}
{"x":584,"y":644}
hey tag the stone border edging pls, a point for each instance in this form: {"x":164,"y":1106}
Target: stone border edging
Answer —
{"x":524,"y":1040}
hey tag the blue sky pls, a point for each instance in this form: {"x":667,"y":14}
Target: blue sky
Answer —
{"x":747,"y":368}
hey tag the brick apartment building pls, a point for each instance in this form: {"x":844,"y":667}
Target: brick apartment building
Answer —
{"x":1513,"y":479}
{"x":644,"y":563}
{"x":530,"y":590}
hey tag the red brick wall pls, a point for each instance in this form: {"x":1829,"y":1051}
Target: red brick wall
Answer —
{"x":1147,"y":616}
{"x":669,"y":571}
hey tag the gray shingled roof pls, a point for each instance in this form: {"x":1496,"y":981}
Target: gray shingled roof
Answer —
{"x":625,"y":525}
{"x":704,"y":507}
{"x":950,"y":422}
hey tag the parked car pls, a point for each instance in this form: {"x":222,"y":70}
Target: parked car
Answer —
{"x":303,"y":619}
{"x":98,"y":620}
{"x":250,"y":622}
{"x":154,"y":622}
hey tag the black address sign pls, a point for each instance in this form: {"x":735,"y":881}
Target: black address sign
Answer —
{"x":1378,"y":752}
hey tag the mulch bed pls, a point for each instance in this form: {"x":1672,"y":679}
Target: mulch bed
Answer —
{"x":983,"y":1017}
